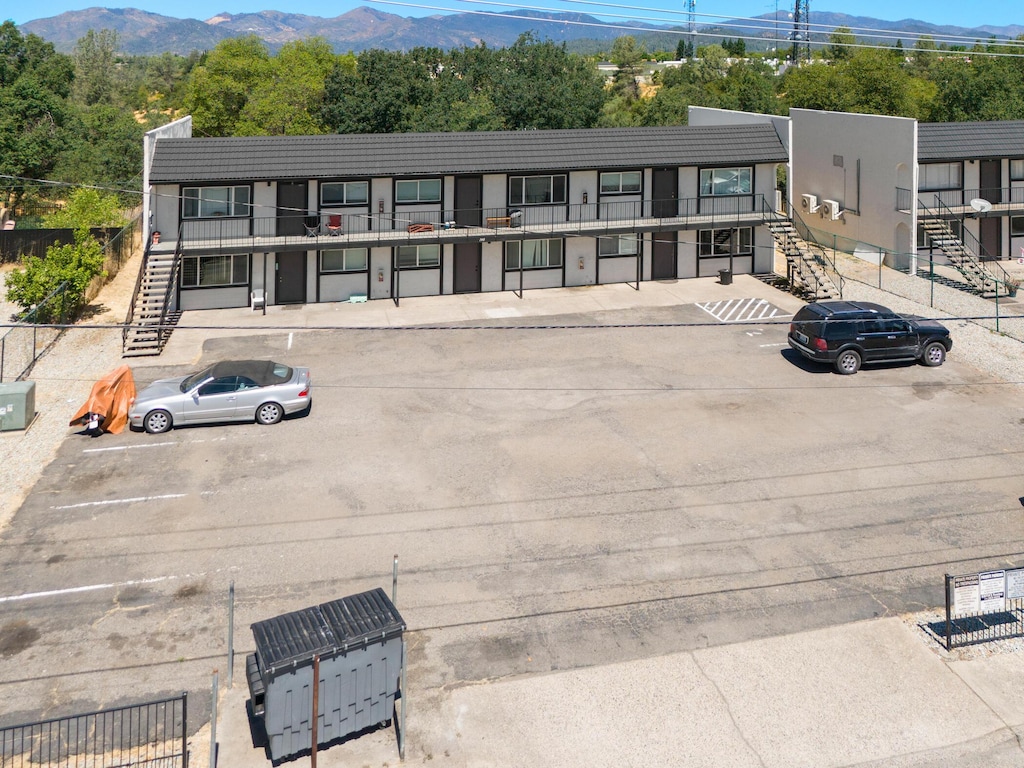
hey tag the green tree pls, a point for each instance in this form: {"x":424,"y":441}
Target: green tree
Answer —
{"x":34,"y":85}
{"x":74,"y":265}
{"x":219,"y":87}
{"x":87,"y":207}
{"x":287,"y":102}
{"x":841,"y":43}
{"x":95,"y":67}
{"x":628,"y":57}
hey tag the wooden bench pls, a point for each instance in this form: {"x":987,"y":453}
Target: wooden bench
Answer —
{"x":420,"y":228}
{"x":499,"y":221}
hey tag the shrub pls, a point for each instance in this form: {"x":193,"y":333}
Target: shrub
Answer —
{"x":75,"y":264}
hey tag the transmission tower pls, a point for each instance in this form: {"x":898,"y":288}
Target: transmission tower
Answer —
{"x":801,"y":30}
{"x":691,"y":25}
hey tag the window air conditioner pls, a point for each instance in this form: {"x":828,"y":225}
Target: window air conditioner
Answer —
{"x":830,"y":209}
{"x":809,"y":203}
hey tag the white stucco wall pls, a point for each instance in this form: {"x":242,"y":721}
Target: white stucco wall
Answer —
{"x":886,"y":148}
{"x":178,"y":129}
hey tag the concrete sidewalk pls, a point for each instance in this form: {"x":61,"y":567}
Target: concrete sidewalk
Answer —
{"x":875,"y":693}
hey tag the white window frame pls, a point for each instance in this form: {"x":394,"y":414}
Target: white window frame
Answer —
{"x":614,"y":183}
{"x":939,"y":177}
{"x":424,"y":191}
{"x":726,"y":182}
{"x":543,"y":254}
{"x":538,"y":189}
{"x":207,"y":206}
{"x":741,"y":240}
{"x":360,"y":257}
{"x":618,"y":245}
{"x":1017,"y":170}
{"x":195,"y":268}
{"x":349,"y":194}
{"x":423,"y":256}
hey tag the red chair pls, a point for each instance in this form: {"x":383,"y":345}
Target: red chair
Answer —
{"x":334,"y":224}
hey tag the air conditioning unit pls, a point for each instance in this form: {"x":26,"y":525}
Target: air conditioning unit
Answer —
{"x":830,"y":209}
{"x":809,"y":203}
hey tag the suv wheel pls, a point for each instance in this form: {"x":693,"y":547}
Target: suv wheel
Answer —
{"x":934,"y":354}
{"x":848,"y":362}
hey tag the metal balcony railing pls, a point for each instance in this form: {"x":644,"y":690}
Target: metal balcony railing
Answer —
{"x":330,"y":229}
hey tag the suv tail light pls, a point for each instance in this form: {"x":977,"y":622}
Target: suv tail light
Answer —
{"x":821,"y":345}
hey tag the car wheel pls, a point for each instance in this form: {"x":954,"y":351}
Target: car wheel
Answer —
{"x":934,"y":354}
{"x":269,"y":413}
{"x":848,"y":362}
{"x":157,"y":422}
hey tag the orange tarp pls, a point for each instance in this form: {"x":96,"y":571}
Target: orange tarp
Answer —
{"x":111,"y":397}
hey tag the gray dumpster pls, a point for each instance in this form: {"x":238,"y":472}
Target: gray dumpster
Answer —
{"x":359,"y":642}
{"x":17,"y":405}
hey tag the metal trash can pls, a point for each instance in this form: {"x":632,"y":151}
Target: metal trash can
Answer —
{"x":725,"y":276}
{"x":359,"y":642}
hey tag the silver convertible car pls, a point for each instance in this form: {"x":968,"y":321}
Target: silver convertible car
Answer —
{"x":233,"y":390}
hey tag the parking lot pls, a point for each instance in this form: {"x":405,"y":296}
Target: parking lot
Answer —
{"x":558,"y":498}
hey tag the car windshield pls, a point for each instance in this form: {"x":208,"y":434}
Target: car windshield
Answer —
{"x":195,"y":379}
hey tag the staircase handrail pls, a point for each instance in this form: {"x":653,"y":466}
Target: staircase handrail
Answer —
{"x":975,"y":249}
{"x":817,"y":251}
{"x":135,"y":296}
{"x":162,"y":332}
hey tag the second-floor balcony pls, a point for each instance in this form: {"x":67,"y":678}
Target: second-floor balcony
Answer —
{"x":1004,"y":201}
{"x":333,"y":229}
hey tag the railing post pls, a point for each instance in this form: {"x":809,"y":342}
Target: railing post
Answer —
{"x":184,"y":729}
{"x":949,"y":633}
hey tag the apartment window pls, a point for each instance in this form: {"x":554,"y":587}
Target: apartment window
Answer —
{"x":344,"y":260}
{"x":418,"y":191}
{"x":1017,"y":170}
{"x":344,"y":193}
{"x":618,"y":245}
{"x":418,"y":256}
{"x":725,"y":242}
{"x":624,"y":183}
{"x":1017,"y":226}
{"x":214,"y":271}
{"x":937,"y":176}
{"x":204,"y":202}
{"x":536,"y":254}
{"x":536,"y":190}
{"x":726,"y":181}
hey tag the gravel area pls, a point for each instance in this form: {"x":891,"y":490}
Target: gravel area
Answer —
{"x":63,"y":376}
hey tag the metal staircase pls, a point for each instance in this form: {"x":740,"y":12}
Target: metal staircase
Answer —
{"x":808,"y":275}
{"x":150,"y":318}
{"x":988,"y":279}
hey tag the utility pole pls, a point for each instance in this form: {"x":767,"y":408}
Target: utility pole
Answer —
{"x":801,"y":29}
{"x":691,"y":25}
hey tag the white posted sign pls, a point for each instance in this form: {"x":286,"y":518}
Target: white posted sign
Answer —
{"x":992,"y":591}
{"x":966,"y":594}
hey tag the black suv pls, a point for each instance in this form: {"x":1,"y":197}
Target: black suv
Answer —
{"x":848,"y":334}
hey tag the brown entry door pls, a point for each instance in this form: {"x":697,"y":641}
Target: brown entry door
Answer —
{"x":291,"y":208}
{"x":991,"y":237}
{"x":991,"y":177}
{"x":665,"y":192}
{"x":663,"y":256}
{"x":467,"y":268}
{"x":290,"y":278}
{"x":469,"y":200}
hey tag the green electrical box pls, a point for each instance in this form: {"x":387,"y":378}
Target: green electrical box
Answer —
{"x":17,"y":405}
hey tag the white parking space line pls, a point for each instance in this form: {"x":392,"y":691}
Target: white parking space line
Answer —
{"x":740,"y":310}
{"x":112,"y":585}
{"x":290,"y":336}
{"x":122,"y":501}
{"x":125,"y":447}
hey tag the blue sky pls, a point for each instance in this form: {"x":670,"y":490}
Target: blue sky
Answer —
{"x":958,"y":12}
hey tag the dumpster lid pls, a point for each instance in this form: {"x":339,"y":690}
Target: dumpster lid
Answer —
{"x":326,"y":628}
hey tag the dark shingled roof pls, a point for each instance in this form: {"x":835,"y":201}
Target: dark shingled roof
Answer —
{"x":964,"y":141}
{"x":422,"y":154}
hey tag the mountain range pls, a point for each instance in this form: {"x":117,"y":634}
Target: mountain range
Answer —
{"x":141,"y":32}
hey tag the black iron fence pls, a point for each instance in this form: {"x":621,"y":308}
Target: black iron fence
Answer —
{"x":981,"y":607}
{"x":16,"y":243}
{"x":150,"y":734}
